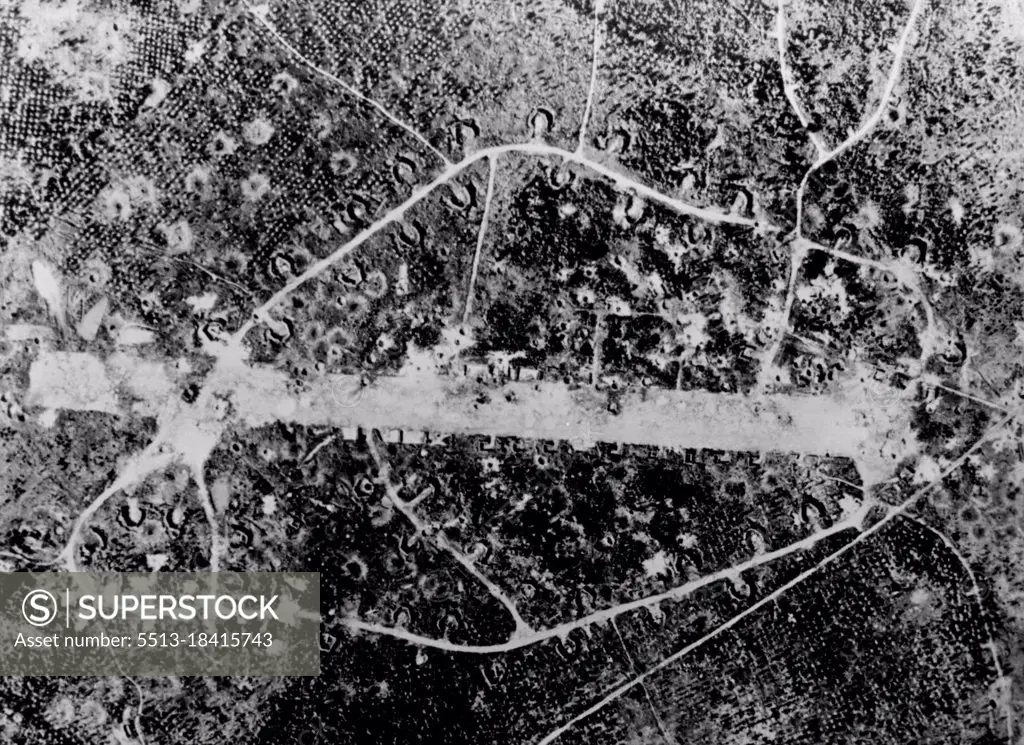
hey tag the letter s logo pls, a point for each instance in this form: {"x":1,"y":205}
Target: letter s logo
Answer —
{"x":39,"y":607}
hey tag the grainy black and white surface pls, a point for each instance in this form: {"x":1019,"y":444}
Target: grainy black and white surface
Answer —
{"x":632,"y":372}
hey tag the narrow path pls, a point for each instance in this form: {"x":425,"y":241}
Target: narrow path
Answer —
{"x":217,"y":546}
{"x":647,"y":692}
{"x":796,"y":260}
{"x":259,"y":13}
{"x":965,"y":395}
{"x":588,"y":108}
{"x":432,"y":532}
{"x":492,"y":167}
